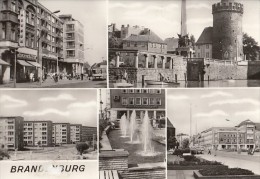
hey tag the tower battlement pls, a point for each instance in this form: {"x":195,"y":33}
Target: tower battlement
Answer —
{"x":228,"y":6}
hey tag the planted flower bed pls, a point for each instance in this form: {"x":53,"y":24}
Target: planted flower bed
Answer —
{"x":230,"y":173}
{"x":193,"y":163}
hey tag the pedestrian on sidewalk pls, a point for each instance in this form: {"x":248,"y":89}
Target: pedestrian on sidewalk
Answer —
{"x":31,"y":77}
{"x":209,"y":151}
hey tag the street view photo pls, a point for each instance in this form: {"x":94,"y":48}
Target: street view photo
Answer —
{"x":183,"y":43}
{"x":132,"y":133}
{"x":48,"y":125}
{"x":213,"y":133}
{"x":54,"y":44}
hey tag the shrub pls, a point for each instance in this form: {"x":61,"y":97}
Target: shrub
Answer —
{"x":189,"y":158}
{"x":4,"y":154}
{"x":225,"y":171}
{"x":81,"y":146}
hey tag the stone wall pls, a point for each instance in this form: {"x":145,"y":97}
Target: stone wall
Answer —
{"x":253,"y":70}
{"x":145,"y":173}
{"x":113,"y":160}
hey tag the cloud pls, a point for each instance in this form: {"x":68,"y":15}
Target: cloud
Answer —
{"x":235,"y":101}
{"x":65,"y":97}
{"x":254,"y":113}
{"x":5,"y":99}
{"x":82,"y":105}
{"x":212,"y":114}
{"x":46,"y":112}
{"x":124,"y":5}
{"x":179,"y":97}
{"x":199,"y":6}
{"x":216,"y":94}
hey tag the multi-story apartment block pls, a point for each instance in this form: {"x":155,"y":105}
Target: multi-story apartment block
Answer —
{"x":73,"y":44}
{"x":242,"y":136}
{"x":126,"y":100}
{"x":61,"y":133}
{"x":88,"y":134}
{"x":75,"y":133}
{"x":11,"y":132}
{"x":37,"y":133}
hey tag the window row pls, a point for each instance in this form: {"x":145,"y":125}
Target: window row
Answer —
{"x":141,"y":101}
{"x":151,"y":91}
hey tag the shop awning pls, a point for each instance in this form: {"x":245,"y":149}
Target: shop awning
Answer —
{"x":24,"y":63}
{"x":34,"y":64}
{"x":2,"y":62}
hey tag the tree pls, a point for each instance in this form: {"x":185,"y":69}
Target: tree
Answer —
{"x":185,"y":143}
{"x":4,"y":154}
{"x":81,"y":147}
{"x":192,"y":40}
{"x":250,"y":47}
{"x":172,"y":143}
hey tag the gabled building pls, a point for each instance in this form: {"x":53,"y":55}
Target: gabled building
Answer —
{"x":203,"y":46}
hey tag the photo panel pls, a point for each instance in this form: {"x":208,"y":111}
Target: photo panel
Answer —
{"x":213,"y":133}
{"x":132,"y":133}
{"x":183,"y":43}
{"x":48,"y":133}
{"x":57,"y":44}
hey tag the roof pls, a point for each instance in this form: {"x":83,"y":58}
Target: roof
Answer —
{"x":245,"y":123}
{"x":206,"y":36}
{"x":145,"y":36}
{"x":169,"y":124}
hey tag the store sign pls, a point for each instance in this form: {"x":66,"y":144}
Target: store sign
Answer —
{"x":26,"y":56}
{"x":22,"y":19}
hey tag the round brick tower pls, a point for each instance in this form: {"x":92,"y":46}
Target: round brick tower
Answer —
{"x":227,"y":31}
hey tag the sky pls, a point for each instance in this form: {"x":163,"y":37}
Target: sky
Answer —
{"x":75,"y":107}
{"x":93,"y":15}
{"x":212,"y":108}
{"x":164,"y":16}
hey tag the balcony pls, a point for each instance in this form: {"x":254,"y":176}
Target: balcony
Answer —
{"x":70,"y":38}
{"x":70,"y":47}
{"x":70,"y":29}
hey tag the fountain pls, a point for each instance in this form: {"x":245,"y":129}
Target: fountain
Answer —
{"x":146,"y":133}
{"x":132,"y":126}
{"x":123,"y":126}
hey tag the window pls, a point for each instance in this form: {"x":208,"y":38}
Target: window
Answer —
{"x":198,"y":55}
{"x":207,"y":55}
{"x":13,"y":6}
{"x":158,"y":101}
{"x":53,"y":49}
{"x":152,"y":101}
{"x":138,"y":101}
{"x":145,"y":101}
{"x":137,"y":91}
{"x":13,"y":34}
{"x":32,"y":19}
{"x":124,"y":91}
{"x":145,"y":91}
{"x":158,"y":91}
{"x":27,"y":17}
{"x":128,"y":44}
{"x":207,"y":46}
{"x":135,"y":44}
{"x":131,"y":101}
{"x":124,"y":101}
{"x":27,"y":40}
{"x":53,"y":39}
{"x":53,"y":29}
{"x":131,"y":91}
{"x":32,"y":41}
{"x":4,"y":5}
{"x":3,"y":30}
{"x":10,"y":133}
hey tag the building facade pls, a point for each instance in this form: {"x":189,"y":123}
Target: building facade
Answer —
{"x":37,"y":133}
{"x":11,"y":133}
{"x":126,"y":100}
{"x":203,"y":46}
{"x":61,"y":133}
{"x":242,"y":136}
{"x":88,"y":134}
{"x":75,"y":133}
{"x":73,"y":44}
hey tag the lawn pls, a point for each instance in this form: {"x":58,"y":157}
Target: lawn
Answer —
{"x":118,"y":142}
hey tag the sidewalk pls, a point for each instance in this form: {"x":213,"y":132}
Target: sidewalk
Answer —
{"x":233,"y":161}
{"x":49,"y":83}
{"x":180,"y":174}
